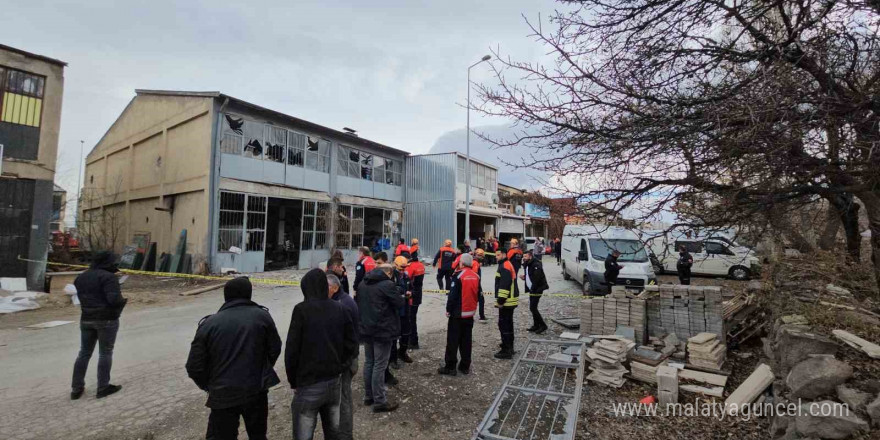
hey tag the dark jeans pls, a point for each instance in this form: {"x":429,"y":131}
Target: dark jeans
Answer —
{"x":481,"y":303}
{"x":376,"y":354}
{"x":405,"y":329}
{"x":346,"y":412}
{"x":444,"y":275}
{"x":104,"y":334}
{"x":537,"y":319}
{"x":459,"y":339}
{"x":309,"y":401}
{"x":505,"y":326}
{"x":413,"y":324}
{"x":684,"y":276}
{"x":223,"y":423}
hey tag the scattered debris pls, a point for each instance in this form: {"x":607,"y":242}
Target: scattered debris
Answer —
{"x":706,"y":351}
{"x":795,"y":343}
{"x":749,"y":390}
{"x":643,"y":372}
{"x":713,"y":391}
{"x":855,"y":399}
{"x":817,"y":376}
{"x":837,"y":290}
{"x":606,"y":357}
{"x":838,"y":424}
{"x":49,"y":324}
{"x":18,"y":303}
{"x":570,"y":335}
{"x":699,"y":376}
{"x":13,"y":284}
{"x":202,"y":289}
{"x":867,"y":347}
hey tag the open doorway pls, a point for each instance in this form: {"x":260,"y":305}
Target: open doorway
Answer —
{"x":481,"y":227}
{"x":373,"y":230}
{"x":283,"y":233}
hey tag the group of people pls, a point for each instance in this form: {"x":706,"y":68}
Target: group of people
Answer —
{"x":234,"y":351}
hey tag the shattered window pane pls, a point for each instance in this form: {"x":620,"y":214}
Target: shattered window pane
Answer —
{"x":253,"y":135}
{"x":296,"y":144}
{"x":276,"y":142}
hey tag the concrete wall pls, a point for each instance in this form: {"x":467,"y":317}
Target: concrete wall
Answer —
{"x":156,"y":155}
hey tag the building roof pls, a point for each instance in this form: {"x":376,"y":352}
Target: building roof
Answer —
{"x":58,"y":188}
{"x":353,"y":139}
{"x":33,"y":55}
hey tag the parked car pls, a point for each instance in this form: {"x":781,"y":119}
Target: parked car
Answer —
{"x":585,"y":247}
{"x":711,"y":257}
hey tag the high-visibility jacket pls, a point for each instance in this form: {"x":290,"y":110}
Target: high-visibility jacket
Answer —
{"x":416,"y":273}
{"x":402,"y":249}
{"x":457,"y":267}
{"x":414,"y":251}
{"x":364,"y":266}
{"x":514,"y":256}
{"x":506,"y":290}
{"x":446,"y":255}
{"x":463,"y":295}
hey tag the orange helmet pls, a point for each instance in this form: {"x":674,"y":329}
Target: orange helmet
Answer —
{"x":480,"y":252}
{"x":401,"y":262}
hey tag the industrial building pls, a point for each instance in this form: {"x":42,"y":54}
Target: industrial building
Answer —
{"x":255,"y":189}
{"x":31,"y":88}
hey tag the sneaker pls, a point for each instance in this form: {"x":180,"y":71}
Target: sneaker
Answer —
{"x":368,"y":402}
{"x":504,"y":354}
{"x":385,"y":407}
{"x":396,"y":365}
{"x":110,"y":389}
{"x":76,"y":394}
{"x":446,"y":371}
{"x":464,"y":370}
{"x":405,"y":358}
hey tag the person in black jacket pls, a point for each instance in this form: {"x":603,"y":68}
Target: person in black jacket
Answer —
{"x":336,"y":266}
{"x":320,"y":344}
{"x":536,"y":284}
{"x":379,"y":304}
{"x":612,"y":268}
{"x":101,"y":303}
{"x":346,"y":413}
{"x":232,"y":357}
{"x":683,"y":265}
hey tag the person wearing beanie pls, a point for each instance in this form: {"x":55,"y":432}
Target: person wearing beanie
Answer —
{"x":321,"y":342}
{"x":461,"y":306}
{"x":102,"y":302}
{"x":232,"y":357}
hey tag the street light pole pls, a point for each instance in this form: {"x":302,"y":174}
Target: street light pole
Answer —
{"x":467,"y":190}
{"x":79,"y":179}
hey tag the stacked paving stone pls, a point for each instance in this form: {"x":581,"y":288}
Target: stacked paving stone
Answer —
{"x":667,"y":385}
{"x":602,"y":316}
{"x":704,"y":350}
{"x":606,"y":361}
{"x":684,"y":310}
{"x":644,"y":372}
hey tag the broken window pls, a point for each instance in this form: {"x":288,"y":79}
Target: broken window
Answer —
{"x":253,"y":138}
{"x":276,"y":143}
{"x":232,"y":139}
{"x":366,"y":166}
{"x":318,"y":154}
{"x":231,"y":224}
{"x":296,"y":148}
{"x":379,"y":169}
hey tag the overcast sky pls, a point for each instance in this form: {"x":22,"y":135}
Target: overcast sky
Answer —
{"x":395,"y":70}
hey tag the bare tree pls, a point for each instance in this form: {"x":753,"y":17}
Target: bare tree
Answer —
{"x":102,"y":217}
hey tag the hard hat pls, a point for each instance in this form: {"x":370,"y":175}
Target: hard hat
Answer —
{"x":480,"y":252}
{"x":401,"y":261}
{"x":514,"y":241}
{"x":447,"y":243}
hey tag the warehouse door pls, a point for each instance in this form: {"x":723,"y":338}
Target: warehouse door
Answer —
{"x":16,"y":203}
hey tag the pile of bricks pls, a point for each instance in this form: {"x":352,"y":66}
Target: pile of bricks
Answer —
{"x":667,"y":385}
{"x":606,"y":361}
{"x":684,"y":310}
{"x":602,"y":316}
{"x":704,"y":350}
{"x":644,"y":372}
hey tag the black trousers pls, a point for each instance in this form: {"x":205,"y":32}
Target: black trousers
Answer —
{"x":537,"y":319}
{"x":505,"y":326}
{"x":405,"y":328}
{"x":459,"y":339}
{"x":684,"y":276}
{"x":414,"y":324}
{"x":481,"y":302}
{"x":444,"y":275}
{"x":223,"y":423}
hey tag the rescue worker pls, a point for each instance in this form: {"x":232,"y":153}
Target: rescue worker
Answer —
{"x":416,"y":273}
{"x":536,"y":284}
{"x":506,"y":299}
{"x":402,"y":249}
{"x":443,"y":262}
{"x":514,"y":256}
{"x":683,"y":266}
{"x":365,"y":265}
{"x":402,"y":281}
{"x":612,"y":268}
{"x":232,"y":357}
{"x":478,"y":269}
{"x":414,"y":249}
{"x":461,"y":305}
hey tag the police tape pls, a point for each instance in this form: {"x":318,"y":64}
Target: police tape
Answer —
{"x":554,"y":295}
{"x":264,"y":281}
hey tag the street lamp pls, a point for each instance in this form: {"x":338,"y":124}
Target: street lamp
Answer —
{"x":467,"y":190}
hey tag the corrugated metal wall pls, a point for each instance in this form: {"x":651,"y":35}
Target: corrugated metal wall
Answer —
{"x":429,"y":212}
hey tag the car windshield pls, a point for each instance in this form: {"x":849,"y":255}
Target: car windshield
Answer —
{"x":630,"y":250}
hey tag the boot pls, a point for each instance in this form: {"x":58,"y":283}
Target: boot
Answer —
{"x":390,"y":380}
{"x":446,"y":371}
{"x":504,"y":354}
{"x":541,"y":329}
{"x":404,"y":357}
{"x":385,"y":407}
{"x":532,"y":328}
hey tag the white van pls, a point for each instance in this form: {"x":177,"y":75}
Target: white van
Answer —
{"x":585,"y":247}
{"x":711,"y":257}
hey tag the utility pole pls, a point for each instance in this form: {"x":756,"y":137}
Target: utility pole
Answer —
{"x":467,"y":191}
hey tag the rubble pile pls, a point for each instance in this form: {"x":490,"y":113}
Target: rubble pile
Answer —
{"x":705,"y":351}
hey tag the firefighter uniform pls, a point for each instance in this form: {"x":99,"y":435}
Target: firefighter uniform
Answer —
{"x":416,"y":273}
{"x":461,"y":306}
{"x":507,"y":298}
{"x":514,"y":256}
{"x":443,"y":262}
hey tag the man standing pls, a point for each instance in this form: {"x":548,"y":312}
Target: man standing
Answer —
{"x":536,"y":284}
{"x":402,"y":281}
{"x":416,"y":273}
{"x":402,"y":249}
{"x":365,"y":265}
{"x":101,"y":304}
{"x":232,"y":358}
{"x":507,"y":298}
{"x":514,"y":256}
{"x":336,"y":266}
{"x":461,"y":305}
{"x":557,"y":249}
{"x":612,"y":268}
{"x":414,"y":249}
{"x":378,"y":304}
{"x":321,"y":342}
{"x":478,"y":269}
{"x":346,"y":414}
{"x":443,"y":263}
{"x":683,"y":266}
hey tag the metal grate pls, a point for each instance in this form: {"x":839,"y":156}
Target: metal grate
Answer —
{"x":541,"y":397}
{"x":231,"y":220}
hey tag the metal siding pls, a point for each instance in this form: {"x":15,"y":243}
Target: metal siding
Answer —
{"x":429,"y":212}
